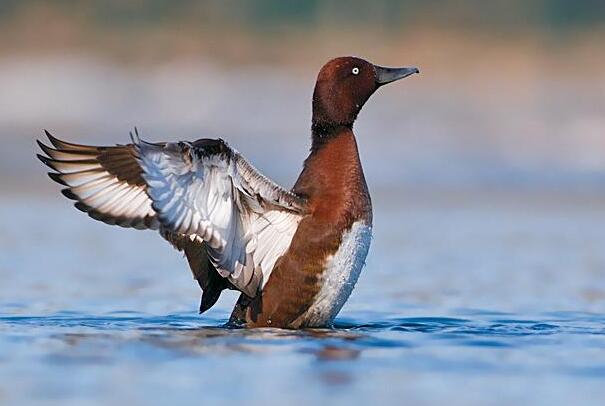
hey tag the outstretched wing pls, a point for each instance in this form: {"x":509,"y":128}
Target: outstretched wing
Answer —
{"x":209,"y":191}
{"x":204,"y":191}
{"x":105,"y":182}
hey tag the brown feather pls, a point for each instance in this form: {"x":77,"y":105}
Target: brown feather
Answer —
{"x":72,"y":162}
{"x":334,"y":184}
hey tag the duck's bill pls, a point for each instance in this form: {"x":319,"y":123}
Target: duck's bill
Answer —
{"x":388,"y":75}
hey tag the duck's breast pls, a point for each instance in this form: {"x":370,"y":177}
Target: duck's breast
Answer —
{"x":341,"y":271}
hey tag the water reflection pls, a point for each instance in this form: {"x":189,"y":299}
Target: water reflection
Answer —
{"x":184,"y":334}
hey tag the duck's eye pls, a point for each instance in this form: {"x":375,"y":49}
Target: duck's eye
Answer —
{"x":355,"y":70}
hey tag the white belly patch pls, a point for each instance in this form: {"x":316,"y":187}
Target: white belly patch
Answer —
{"x":339,"y":277}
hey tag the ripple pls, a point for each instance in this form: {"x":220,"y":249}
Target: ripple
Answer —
{"x":189,"y":334}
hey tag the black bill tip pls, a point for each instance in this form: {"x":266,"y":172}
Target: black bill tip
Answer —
{"x":388,"y":75}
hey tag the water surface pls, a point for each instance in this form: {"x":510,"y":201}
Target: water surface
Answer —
{"x":484,"y":300}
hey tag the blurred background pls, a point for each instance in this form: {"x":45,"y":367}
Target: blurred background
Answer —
{"x":487,"y":173}
{"x":512,"y":93}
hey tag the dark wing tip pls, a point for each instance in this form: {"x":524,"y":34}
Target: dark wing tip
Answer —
{"x":48,"y":162}
{"x":57,"y":178}
{"x":53,"y":140}
{"x":70,"y":146}
{"x":69,"y":194}
{"x":81,"y":206}
{"x":45,"y":160}
{"x":41,"y":145}
{"x":45,"y":148}
{"x":209,"y":298}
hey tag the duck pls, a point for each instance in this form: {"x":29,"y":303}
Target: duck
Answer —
{"x":295,"y":254}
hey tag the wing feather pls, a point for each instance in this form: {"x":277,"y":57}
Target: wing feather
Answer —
{"x":203,"y":191}
{"x":105,"y":182}
{"x":206,"y":189}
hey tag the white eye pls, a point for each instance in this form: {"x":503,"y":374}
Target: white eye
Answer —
{"x":355,"y":70}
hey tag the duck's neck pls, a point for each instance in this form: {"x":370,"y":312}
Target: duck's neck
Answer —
{"x":323,"y":132}
{"x":332,"y":163}
{"x":330,"y":119}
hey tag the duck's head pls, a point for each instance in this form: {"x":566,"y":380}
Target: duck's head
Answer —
{"x":344,"y":85}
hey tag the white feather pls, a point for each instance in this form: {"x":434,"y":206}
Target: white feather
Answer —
{"x":339,"y":277}
{"x":216,"y":198}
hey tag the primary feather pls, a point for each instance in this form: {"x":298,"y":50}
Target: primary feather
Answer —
{"x":201,"y":196}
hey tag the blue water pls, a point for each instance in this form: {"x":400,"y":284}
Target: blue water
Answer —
{"x":477,"y":357}
{"x":479,"y":300}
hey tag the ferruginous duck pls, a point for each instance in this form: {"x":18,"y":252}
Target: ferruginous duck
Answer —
{"x":295,"y":255}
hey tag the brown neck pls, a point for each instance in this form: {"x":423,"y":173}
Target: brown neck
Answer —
{"x":331,"y":116}
{"x":323,"y":132}
{"x":332,"y":178}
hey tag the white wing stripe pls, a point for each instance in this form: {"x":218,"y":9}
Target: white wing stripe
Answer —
{"x":209,"y":191}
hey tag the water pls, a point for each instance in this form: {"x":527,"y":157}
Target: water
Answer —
{"x":466,"y":299}
{"x":498,"y":358}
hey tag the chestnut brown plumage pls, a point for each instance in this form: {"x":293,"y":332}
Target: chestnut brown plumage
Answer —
{"x":334,"y":185}
{"x":238,"y":229}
